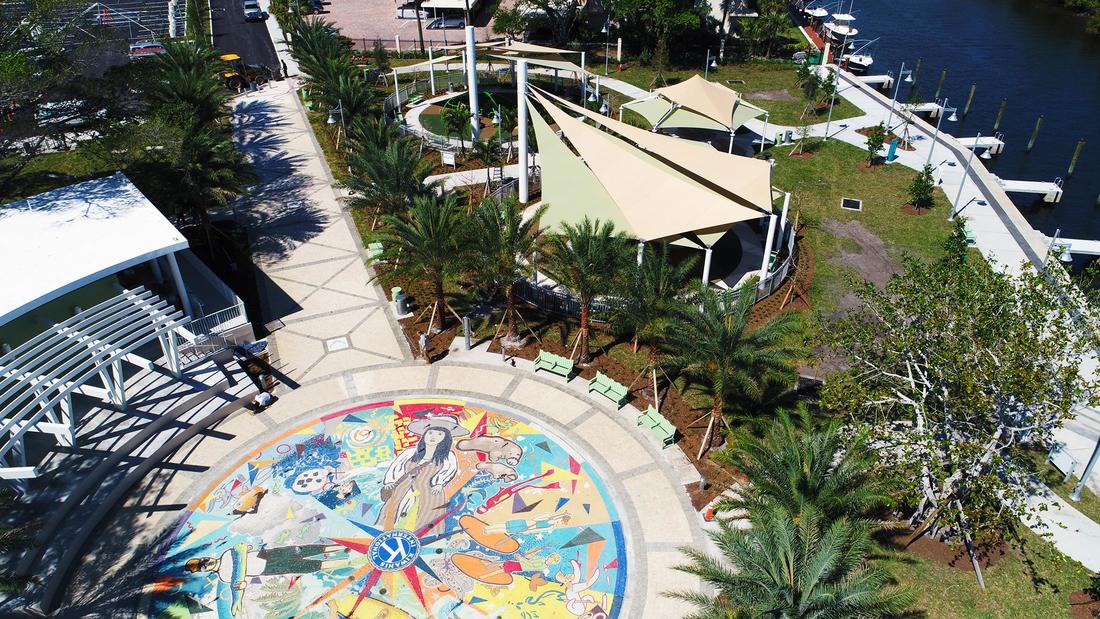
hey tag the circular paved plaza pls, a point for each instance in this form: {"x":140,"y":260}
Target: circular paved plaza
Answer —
{"x":402,"y":508}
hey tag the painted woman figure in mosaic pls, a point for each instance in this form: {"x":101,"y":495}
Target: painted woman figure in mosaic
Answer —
{"x":414,"y":488}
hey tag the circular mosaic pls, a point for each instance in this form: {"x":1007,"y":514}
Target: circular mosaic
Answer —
{"x":410,"y":508}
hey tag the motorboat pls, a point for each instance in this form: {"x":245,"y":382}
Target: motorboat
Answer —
{"x":812,"y":12}
{"x":840,"y":28}
{"x":859,"y":60}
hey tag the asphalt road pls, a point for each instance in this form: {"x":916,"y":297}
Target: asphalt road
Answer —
{"x":249,"y":40}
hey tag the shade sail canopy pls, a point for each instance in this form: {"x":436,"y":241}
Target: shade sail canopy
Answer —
{"x":550,"y":63}
{"x":520,"y":47}
{"x":428,"y":63}
{"x":648,"y":198}
{"x":61,"y":240}
{"x":744,"y":180}
{"x":698,"y":104}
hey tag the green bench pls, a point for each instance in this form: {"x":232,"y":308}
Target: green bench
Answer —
{"x":969,"y":234}
{"x":554,"y":364}
{"x":374,"y":251}
{"x":656,"y":423}
{"x":608,"y":388}
{"x":414,"y":99}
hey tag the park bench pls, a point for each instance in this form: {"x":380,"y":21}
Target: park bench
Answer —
{"x":554,"y":364}
{"x":374,"y":251}
{"x":969,"y":234}
{"x":608,"y":388}
{"x":656,"y":423}
{"x":1062,"y":460}
{"x":414,"y":99}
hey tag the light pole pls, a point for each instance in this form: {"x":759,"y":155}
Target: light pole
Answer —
{"x":339,"y":109}
{"x":966,"y":175}
{"x":711,"y":64}
{"x":908,"y":76}
{"x":939,"y":120}
{"x":607,"y":42}
{"x":1064,"y":256}
{"x":1076,"y":496}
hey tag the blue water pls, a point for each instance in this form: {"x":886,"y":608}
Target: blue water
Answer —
{"x":1038,"y":57}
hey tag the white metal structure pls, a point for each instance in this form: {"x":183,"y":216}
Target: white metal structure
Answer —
{"x":38,"y":379}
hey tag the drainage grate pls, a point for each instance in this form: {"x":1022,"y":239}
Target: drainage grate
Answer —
{"x":851,"y":204}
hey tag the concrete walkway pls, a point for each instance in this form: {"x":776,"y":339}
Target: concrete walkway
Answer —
{"x":339,"y":345}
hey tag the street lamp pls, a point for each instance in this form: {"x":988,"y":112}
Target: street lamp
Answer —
{"x":1076,"y":496}
{"x":604,"y":107}
{"x":607,"y":42}
{"x":966,"y":175}
{"x":712,"y":63}
{"x":939,"y":120}
{"x":1063,"y":253}
{"x":339,"y":109}
{"x":902,"y":73}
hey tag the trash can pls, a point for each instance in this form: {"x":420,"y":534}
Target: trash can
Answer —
{"x":778,"y":138}
{"x":788,"y":137}
{"x":401,"y":302}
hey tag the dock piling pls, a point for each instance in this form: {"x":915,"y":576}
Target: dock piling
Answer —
{"x":1000,"y":115}
{"x":1034,"y":134}
{"x":939,"y":86}
{"x":916,"y":70}
{"x":969,"y":99}
{"x":1076,"y":154}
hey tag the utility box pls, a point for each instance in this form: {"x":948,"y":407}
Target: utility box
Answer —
{"x":400,"y":301}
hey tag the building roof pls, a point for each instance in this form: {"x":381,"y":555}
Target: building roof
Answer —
{"x":63,"y":239}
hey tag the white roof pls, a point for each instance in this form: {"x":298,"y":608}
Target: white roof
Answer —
{"x":449,"y":4}
{"x":63,"y":239}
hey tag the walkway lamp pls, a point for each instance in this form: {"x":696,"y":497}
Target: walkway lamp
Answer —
{"x":939,"y":120}
{"x":607,"y":42}
{"x":605,"y":107}
{"x":908,"y":79}
{"x":712,"y":63}
{"x":1076,"y":496}
{"x":966,"y":175}
{"x":339,"y":109}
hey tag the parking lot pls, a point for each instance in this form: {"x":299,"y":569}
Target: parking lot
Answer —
{"x":366,"y":21}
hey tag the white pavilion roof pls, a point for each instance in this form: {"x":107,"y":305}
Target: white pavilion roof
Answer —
{"x":58,"y":241}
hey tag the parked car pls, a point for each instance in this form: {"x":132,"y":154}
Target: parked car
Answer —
{"x":447,"y":23}
{"x":253,"y":12}
{"x":145,"y":49}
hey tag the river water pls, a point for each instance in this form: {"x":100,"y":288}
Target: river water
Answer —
{"x":1038,"y":57}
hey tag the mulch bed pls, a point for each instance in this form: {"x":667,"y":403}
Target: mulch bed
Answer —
{"x":1083,"y":605}
{"x":890,"y":137}
{"x":939,"y":552}
{"x":802,"y":155}
{"x":909,"y":209}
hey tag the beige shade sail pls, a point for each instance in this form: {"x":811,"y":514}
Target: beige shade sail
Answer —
{"x":744,"y":180}
{"x":665,"y":205}
{"x":550,"y":63}
{"x":428,"y":63}
{"x":520,"y":47}
{"x":713,"y":101}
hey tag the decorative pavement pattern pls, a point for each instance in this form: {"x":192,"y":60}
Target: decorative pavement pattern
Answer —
{"x":408,"y":508}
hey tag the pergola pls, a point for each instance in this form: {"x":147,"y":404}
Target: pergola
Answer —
{"x":696,"y":104}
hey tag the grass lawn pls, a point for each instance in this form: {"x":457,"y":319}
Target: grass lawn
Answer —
{"x":52,"y":170}
{"x":818,"y":183}
{"x":776,"y":79}
{"x":1031,"y":580}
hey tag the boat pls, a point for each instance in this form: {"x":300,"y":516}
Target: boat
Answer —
{"x":811,"y":12}
{"x":859,"y":60}
{"x":840,"y":27}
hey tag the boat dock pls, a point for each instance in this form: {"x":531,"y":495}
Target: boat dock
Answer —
{"x":994,"y":145}
{"x":885,"y":82}
{"x":932,"y":109}
{"x":1051,"y":191}
{"x":1079,"y":246}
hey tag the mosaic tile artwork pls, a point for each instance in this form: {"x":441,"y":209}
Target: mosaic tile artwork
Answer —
{"x":412,"y":508}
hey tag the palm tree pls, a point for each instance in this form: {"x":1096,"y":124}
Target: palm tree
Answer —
{"x":505,"y":243}
{"x":791,"y":567}
{"x":793,"y":466}
{"x":387,"y":179}
{"x":588,"y":258}
{"x":508,"y":124}
{"x":427,"y":242}
{"x":715,"y":348}
{"x":187,"y":74}
{"x":651,"y":302}
{"x":372,"y":132}
{"x":772,"y":26}
{"x":456,"y":120}
{"x":488,"y":153}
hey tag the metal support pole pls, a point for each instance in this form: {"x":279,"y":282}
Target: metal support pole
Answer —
{"x":158,"y":274}
{"x":763,"y":136}
{"x":1034,"y":134}
{"x":471,"y":59}
{"x":431,"y":70}
{"x":521,"y":120}
{"x":706,"y":265}
{"x":619,"y":51}
{"x":783,"y":220}
{"x":936,"y":136}
{"x":893,"y":99}
{"x":966,"y":175}
{"x":1076,"y":496}
{"x":768,"y":244}
{"x":939,"y":85}
{"x":181,"y":290}
{"x":466,"y":331}
{"x":584,"y":83}
{"x":641,"y":251}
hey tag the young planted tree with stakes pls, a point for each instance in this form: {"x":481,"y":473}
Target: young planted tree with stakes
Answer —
{"x":804,"y":566}
{"x":735,"y":365}
{"x":489,"y":154}
{"x":651,"y":303}
{"x":456,"y":121}
{"x":589,"y":259}
{"x":922,"y":189}
{"x":428,"y":243}
{"x":508,"y":124}
{"x":876,"y":139}
{"x":506,"y":241}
